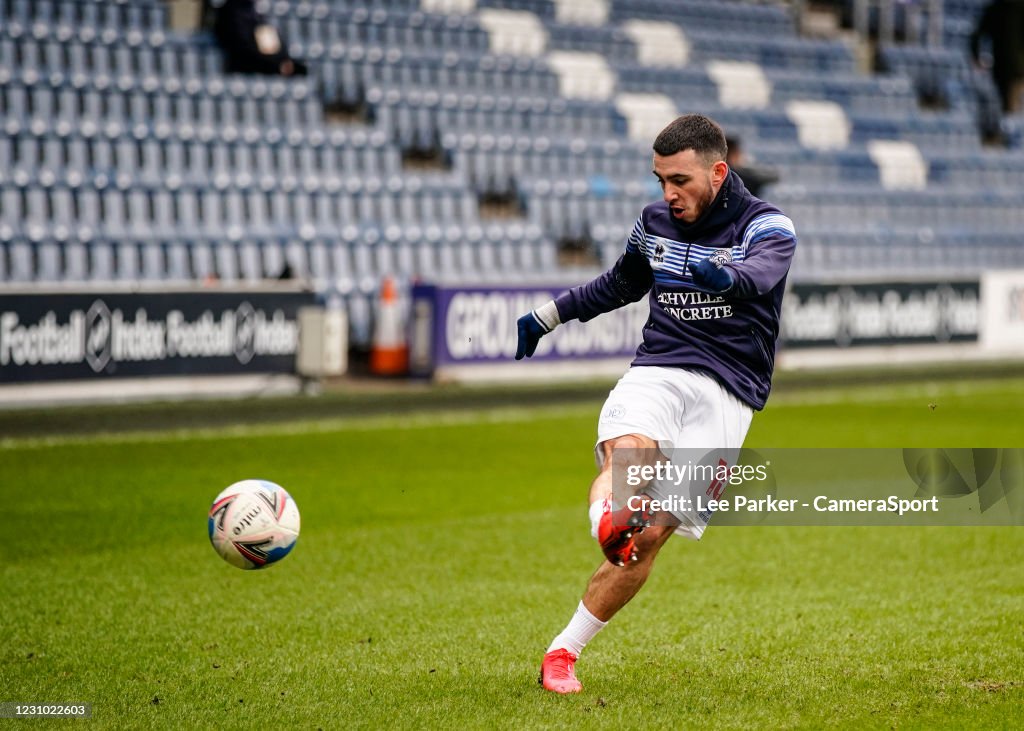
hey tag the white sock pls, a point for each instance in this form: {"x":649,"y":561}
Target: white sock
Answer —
{"x":596,"y":511}
{"x":580,"y":630}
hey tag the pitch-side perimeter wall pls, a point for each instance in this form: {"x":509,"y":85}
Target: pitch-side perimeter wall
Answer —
{"x":468,"y":332}
{"x":56,"y":344}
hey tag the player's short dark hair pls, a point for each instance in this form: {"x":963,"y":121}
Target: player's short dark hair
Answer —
{"x":693,"y":132}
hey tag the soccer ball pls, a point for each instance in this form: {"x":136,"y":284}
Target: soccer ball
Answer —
{"x":253,"y":524}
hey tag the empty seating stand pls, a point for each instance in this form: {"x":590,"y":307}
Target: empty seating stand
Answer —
{"x":127,"y":154}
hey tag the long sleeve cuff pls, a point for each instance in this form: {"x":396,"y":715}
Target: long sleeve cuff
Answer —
{"x":548,"y":316}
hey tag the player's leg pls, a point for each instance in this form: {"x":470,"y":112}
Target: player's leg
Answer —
{"x":614,"y":584}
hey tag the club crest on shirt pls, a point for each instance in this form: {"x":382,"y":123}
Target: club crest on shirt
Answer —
{"x":721,"y":256}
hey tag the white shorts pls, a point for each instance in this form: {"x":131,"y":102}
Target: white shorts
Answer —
{"x":679,"y":409}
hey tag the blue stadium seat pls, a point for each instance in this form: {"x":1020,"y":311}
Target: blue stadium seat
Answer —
{"x":21,"y":265}
{"x":610,"y":42}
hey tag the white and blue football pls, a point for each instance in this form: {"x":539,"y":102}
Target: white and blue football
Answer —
{"x":253,"y":524}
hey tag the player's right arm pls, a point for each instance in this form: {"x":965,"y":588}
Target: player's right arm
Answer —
{"x":629,"y":279}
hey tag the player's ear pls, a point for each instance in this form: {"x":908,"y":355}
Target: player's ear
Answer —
{"x":718,"y":172}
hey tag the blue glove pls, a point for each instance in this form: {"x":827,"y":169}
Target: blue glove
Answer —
{"x":531,"y":330}
{"x":711,"y":276}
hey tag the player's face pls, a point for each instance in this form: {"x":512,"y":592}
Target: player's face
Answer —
{"x":688,"y":183}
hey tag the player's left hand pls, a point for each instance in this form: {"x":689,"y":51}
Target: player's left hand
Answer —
{"x":711,"y":276}
{"x":531,"y":330}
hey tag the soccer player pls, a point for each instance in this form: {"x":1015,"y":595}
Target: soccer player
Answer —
{"x":714,"y":261}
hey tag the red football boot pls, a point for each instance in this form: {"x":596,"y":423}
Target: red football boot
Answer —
{"x":558,"y":674}
{"x":617,"y":529}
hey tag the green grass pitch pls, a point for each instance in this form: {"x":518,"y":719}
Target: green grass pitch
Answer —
{"x":441,"y":552}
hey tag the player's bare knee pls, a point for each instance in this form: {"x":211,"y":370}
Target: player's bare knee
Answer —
{"x":627,"y":449}
{"x":630,"y":441}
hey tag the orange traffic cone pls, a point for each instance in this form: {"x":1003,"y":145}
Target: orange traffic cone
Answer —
{"x":389,"y":353}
